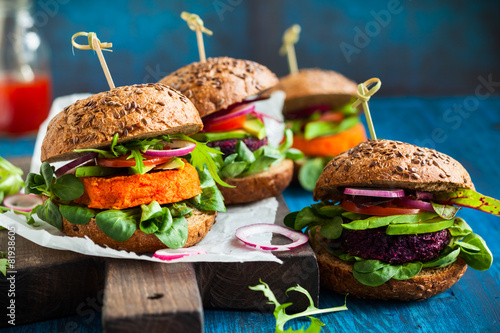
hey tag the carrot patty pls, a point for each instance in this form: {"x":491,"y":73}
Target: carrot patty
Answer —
{"x":129,"y":191}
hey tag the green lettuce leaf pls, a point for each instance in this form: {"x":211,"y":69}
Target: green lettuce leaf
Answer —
{"x":11,"y":179}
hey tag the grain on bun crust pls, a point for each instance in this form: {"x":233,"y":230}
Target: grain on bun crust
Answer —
{"x":218,"y":83}
{"x":137,"y":111}
{"x":314,"y":87}
{"x":199,"y":224}
{"x":390,"y":164}
{"x":336,"y":275}
{"x":265,"y":184}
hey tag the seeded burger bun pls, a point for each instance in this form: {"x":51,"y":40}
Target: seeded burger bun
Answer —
{"x":387,"y":164}
{"x":216,"y":85}
{"x":134,"y":112}
{"x":315,"y":87}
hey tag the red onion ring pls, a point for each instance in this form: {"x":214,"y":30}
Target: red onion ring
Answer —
{"x":297,"y":238}
{"x":233,"y":112}
{"x":22,"y":202}
{"x":171,"y":254}
{"x":306,"y":112}
{"x":73,"y":164}
{"x":177,"y":148}
{"x":424,"y":195}
{"x":407,"y":202}
{"x":370,"y":192}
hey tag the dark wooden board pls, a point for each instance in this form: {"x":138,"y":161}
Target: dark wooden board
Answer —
{"x":138,"y":295}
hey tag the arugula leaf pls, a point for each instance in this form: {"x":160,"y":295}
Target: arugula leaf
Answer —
{"x":470,"y":199}
{"x":139,"y":167}
{"x":282,"y":318}
{"x":311,"y":170}
{"x":447,"y":212}
{"x":201,"y":156}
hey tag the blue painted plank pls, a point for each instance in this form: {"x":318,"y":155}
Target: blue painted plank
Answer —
{"x":471,"y":305}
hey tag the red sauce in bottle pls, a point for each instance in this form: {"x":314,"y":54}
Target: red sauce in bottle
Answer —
{"x":24,"y":105}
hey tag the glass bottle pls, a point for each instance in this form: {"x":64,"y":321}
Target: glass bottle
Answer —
{"x":25,"y":81}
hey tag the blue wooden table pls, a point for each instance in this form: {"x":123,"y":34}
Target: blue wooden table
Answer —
{"x":468,"y":129}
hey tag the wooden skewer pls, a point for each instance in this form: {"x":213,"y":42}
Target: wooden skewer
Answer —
{"x":364,"y":94}
{"x":96,"y":45}
{"x":195,"y":23}
{"x":290,"y":38}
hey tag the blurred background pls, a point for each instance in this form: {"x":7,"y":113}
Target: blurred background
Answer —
{"x":415,"y":47}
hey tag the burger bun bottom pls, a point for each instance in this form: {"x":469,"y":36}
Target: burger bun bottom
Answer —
{"x":336,"y":275}
{"x":199,"y":224}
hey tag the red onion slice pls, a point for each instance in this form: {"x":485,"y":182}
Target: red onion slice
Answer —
{"x":306,"y":112}
{"x":73,"y":164}
{"x":170,"y":254}
{"x":298,"y":238}
{"x":424,"y":195}
{"x":22,"y":202}
{"x":237,"y":111}
{"x":177,"y":148}
{"x":407,"y":202}
{"x":370,"y":192}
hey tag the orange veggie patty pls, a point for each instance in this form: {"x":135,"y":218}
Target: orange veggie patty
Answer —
{"x":121,"y":192}
{"x":331,"y":145}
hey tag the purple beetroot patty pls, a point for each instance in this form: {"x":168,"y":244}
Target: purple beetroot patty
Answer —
{"x":394,"y":249}
{"x":227,"y":147}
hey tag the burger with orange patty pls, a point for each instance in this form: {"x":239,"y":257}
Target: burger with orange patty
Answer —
{"x":318,"y":110}
{"x":135,"y":181}
{"x":223,"y":90}
{"x":387,"y":225}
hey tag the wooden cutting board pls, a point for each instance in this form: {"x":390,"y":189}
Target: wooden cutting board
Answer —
{"x":146,"y":296}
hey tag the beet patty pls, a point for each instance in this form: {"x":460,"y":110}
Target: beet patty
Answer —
{"x":393,"y":249}
{"x":227,"y":147}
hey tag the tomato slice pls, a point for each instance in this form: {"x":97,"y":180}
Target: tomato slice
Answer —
{"x":331,"y":145}
{"x":379,"y":210}
{"x":335,"y":116}
{"x":123,"y":162}
{"x":226,"y":125}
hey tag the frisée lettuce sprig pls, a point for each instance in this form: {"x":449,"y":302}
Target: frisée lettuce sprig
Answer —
{"x":282,"y":317}
{"x":200,"y":157}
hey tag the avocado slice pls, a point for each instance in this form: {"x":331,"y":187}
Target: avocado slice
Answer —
{"x":96,"y":171}
{"x":216,"y":136}
{"x":255,"y":127}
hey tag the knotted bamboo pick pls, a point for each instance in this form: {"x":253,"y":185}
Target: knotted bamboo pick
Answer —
{"x":96,"y":45}
{"x":290,"y":38}
{"x":195,"y":23}
{"x":364,"y":94}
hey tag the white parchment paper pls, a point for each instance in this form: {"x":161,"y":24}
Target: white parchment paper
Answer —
{"x":220,"y":243}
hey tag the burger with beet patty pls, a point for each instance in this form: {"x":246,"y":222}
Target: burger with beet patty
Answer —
{"x":318,"y":110}
{"x":135,"y":180}
{"x":386,"y":226}
{"x":223,"y":90}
